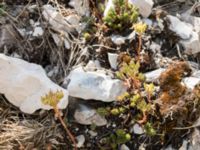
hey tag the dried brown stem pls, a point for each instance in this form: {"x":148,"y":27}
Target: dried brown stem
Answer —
{"x":149,"y":97}
{"x":144,"y":119}
{"x":57,"y":112}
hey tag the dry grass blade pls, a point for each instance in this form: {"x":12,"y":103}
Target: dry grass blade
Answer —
{"x":18,"y":130}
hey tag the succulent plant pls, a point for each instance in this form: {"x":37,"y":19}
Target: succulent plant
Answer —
{"x":119,"y":137}
{"x":140,"y":27}
{"x":52,"y":98}
{"x":123,"y":15}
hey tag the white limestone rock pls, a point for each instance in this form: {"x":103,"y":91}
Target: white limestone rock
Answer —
{"x":80,"y":141}
{"x":81,"y":6}
{"x":184,"y":145}
{"x":23,"y":84}
{"x":192,"y":45}
{"x":190,"y":18}
{"x":55,"y":19}
{"x":64,"y":25}
{"x":112,"y":58}
{"x":57,"y":39}
{"x":188,"y":33}
{"x":38,"y":31}
{"x":137,"y":129}
{"x":58,"y":22}
{"x":86,"y":116}
{"x":145,"y":6}
{"x":75,"y":21}
{"x":92,"y":65}
{"x":60,"y":41}
{"x":152,"y":76}
{"x":195,"y":21}
{"x":190,"y":82}
{"x":196,"y":74}
{"x":93,"y":85}
{"x":119,"y":40}
{"x":182,"y":29}
{"x":9,"y":36}
{"x":124,"y":147}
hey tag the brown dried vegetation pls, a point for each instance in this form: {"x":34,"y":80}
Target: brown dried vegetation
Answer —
{"x":175,"y":100}
{"x":170,"y":84}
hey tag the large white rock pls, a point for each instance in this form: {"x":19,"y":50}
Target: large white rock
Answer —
{"x":145,"y":6}
{"x":182,"y":29}
{"x":192,"y":45}
{"x":194,"y":21}
{"x":191,"y":82}
{"x":23,"y":84}
{"x":190,"y":18}
{"x":189,"y":33}
{"x":93,"y":85}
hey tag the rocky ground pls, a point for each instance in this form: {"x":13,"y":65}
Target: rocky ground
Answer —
{"x":120,"y":74}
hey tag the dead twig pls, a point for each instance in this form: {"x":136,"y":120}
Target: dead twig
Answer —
{"x":58,"y":115}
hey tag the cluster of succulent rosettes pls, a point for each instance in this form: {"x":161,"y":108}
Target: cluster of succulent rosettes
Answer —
{"x":52,"y":98}
{"x":137,"y":100}
{"x":140,"y":27}
{"x":129,"y":73}
{"x":119,"y":137}
{"x":123,"y":15}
